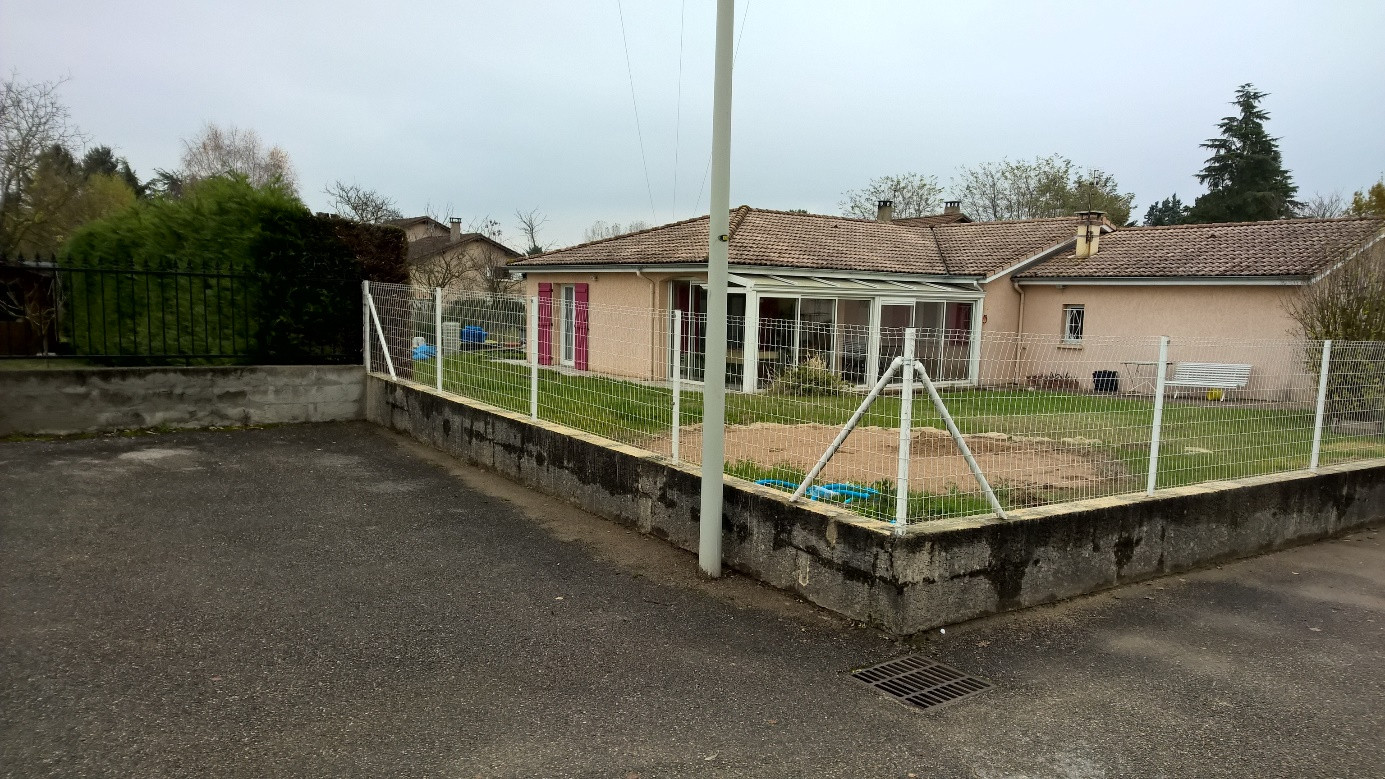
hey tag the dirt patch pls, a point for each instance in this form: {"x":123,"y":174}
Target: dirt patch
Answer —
{"x":871,"y":454}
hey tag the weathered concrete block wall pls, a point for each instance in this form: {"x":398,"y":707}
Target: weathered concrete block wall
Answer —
{"x":936,"y":573}
{"x":88,"y":400}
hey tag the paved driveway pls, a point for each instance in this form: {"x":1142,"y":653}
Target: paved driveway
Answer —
{"x":328,"y":600}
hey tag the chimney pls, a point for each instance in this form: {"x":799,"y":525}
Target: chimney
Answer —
{"x":1088,"y":232}
{"x":456,"y":228}
{"x":884,"y":210}
{"x":952,"y":207}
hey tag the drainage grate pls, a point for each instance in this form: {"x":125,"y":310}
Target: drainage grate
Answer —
{"x":921,"y":682}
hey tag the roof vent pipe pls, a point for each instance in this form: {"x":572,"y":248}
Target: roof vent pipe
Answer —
{"x":884,"y":210}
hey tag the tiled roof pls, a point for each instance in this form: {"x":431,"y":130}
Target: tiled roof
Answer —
{"x":432,"y":244}
{"x":1287,"y":247}
{"x":765,"y":238}
{"x":982,"y":248}
{"x":934,"y":219}
{"x":413,"y":220}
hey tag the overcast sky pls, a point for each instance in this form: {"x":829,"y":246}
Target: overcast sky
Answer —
{"x":489,"y":107}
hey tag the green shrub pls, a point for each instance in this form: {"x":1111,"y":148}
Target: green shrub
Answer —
{"x":811,"y":377}
{"x":229,"y":268}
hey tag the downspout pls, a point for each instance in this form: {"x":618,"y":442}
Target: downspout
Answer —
{"x":653,"y":315}
{"x":1019,"y":330}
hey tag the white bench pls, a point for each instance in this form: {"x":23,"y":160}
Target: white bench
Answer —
{"x":1209,"y":375}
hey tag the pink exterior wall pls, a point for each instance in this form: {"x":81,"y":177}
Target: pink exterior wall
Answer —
{"x":1000,"y":323}
{"x":625,"y":335}
{"x":1221,"y":324}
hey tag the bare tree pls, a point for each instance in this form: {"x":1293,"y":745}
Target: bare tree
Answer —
{"x":485,"y":226}
{"x":33,"y":122}
{"x":1348,"y":304}
{"x":35,"y":299}
{"x":477,"y":264}
{"x":913,"y":194}
{"x":360,"y":204}
{"x":438,"y":215}
{"x":217,"y":151}
{"x":1044,"y":187}
{"x":529,"y":223}
{"x":1323,"y":206}
{"x":600,"y":230}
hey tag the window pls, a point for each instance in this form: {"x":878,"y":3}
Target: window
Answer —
{"x":567,"y":325}
{"x":1073,"y":319}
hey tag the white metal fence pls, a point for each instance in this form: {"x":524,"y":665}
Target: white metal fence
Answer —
{"x":1030,"y":419}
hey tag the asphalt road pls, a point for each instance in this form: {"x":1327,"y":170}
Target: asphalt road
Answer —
{"x":328,"y":600}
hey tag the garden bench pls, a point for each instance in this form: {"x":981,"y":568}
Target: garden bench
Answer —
{"x":1209,"y":375}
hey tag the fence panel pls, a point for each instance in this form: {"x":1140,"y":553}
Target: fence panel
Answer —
{"x":151,"y":316}
{"x":1047,"y":420}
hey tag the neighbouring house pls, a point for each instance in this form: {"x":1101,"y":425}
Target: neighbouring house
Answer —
{"x":840,"y":290}
{"x":1221,"y":292}
{"x":458,"y":261}
{"x":416,"y":227}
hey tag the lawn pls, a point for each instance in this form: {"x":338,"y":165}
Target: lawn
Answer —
{"x":1200,"y":441}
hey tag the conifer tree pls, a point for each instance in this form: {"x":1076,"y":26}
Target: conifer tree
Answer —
{"x":1245,"y":176}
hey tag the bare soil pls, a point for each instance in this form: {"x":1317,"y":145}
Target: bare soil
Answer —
{"x":871,"y":454}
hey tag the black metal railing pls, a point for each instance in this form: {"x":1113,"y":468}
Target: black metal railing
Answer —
{"x":175,"y":315}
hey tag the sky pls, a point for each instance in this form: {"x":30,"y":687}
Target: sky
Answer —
{"x":485,"y":108}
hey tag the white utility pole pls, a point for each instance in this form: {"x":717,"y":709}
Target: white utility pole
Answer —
{"x":718,"y":244}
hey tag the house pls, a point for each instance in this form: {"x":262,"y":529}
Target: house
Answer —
{"x":456,"y":260}
{"x":1221,"y":292}
{"x":416,"y":227}
{"x":803,"y":286}
{"x":840,"y":290}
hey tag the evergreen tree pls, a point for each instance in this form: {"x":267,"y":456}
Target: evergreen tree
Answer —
{"x":1169,"y":211}
{"x":101,"y":160}
{"x":1245,"y":176}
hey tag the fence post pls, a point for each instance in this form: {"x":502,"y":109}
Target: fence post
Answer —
{"x":365,"y":324}
{"x":906,"y":418}
{"x":437,"y":330}
{"x":1160,"y":376}
{"x":1322,"y":404}
{"x":534,"y":358}
{"x":677,"y":378}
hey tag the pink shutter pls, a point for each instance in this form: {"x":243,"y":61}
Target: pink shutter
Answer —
{"x":580,"y":326}
{"x":545,"y":323}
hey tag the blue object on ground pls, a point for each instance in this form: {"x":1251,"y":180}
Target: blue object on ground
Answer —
{"x":473,"y":335}
{"x":424,"y":352}
{"x":825,"y":491}
{"x":854,"y":490}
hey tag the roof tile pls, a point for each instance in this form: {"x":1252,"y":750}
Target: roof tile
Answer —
{"x":1286,"y":247}
{"x":765,"y":238}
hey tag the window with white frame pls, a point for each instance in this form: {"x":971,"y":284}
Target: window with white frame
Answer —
{"x":1074,"y":318}
{"x":567,"y":325}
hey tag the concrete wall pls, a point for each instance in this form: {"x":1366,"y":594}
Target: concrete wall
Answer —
{"x":936,"y":573}
{"x":96,"y":399}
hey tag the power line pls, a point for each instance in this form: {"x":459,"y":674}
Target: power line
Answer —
{"x":734,"y":55}
{"x":638,"y":132}
{"x":678,"y":113}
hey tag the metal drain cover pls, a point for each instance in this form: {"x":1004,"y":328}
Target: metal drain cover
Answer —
{"x":922,"y":682}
